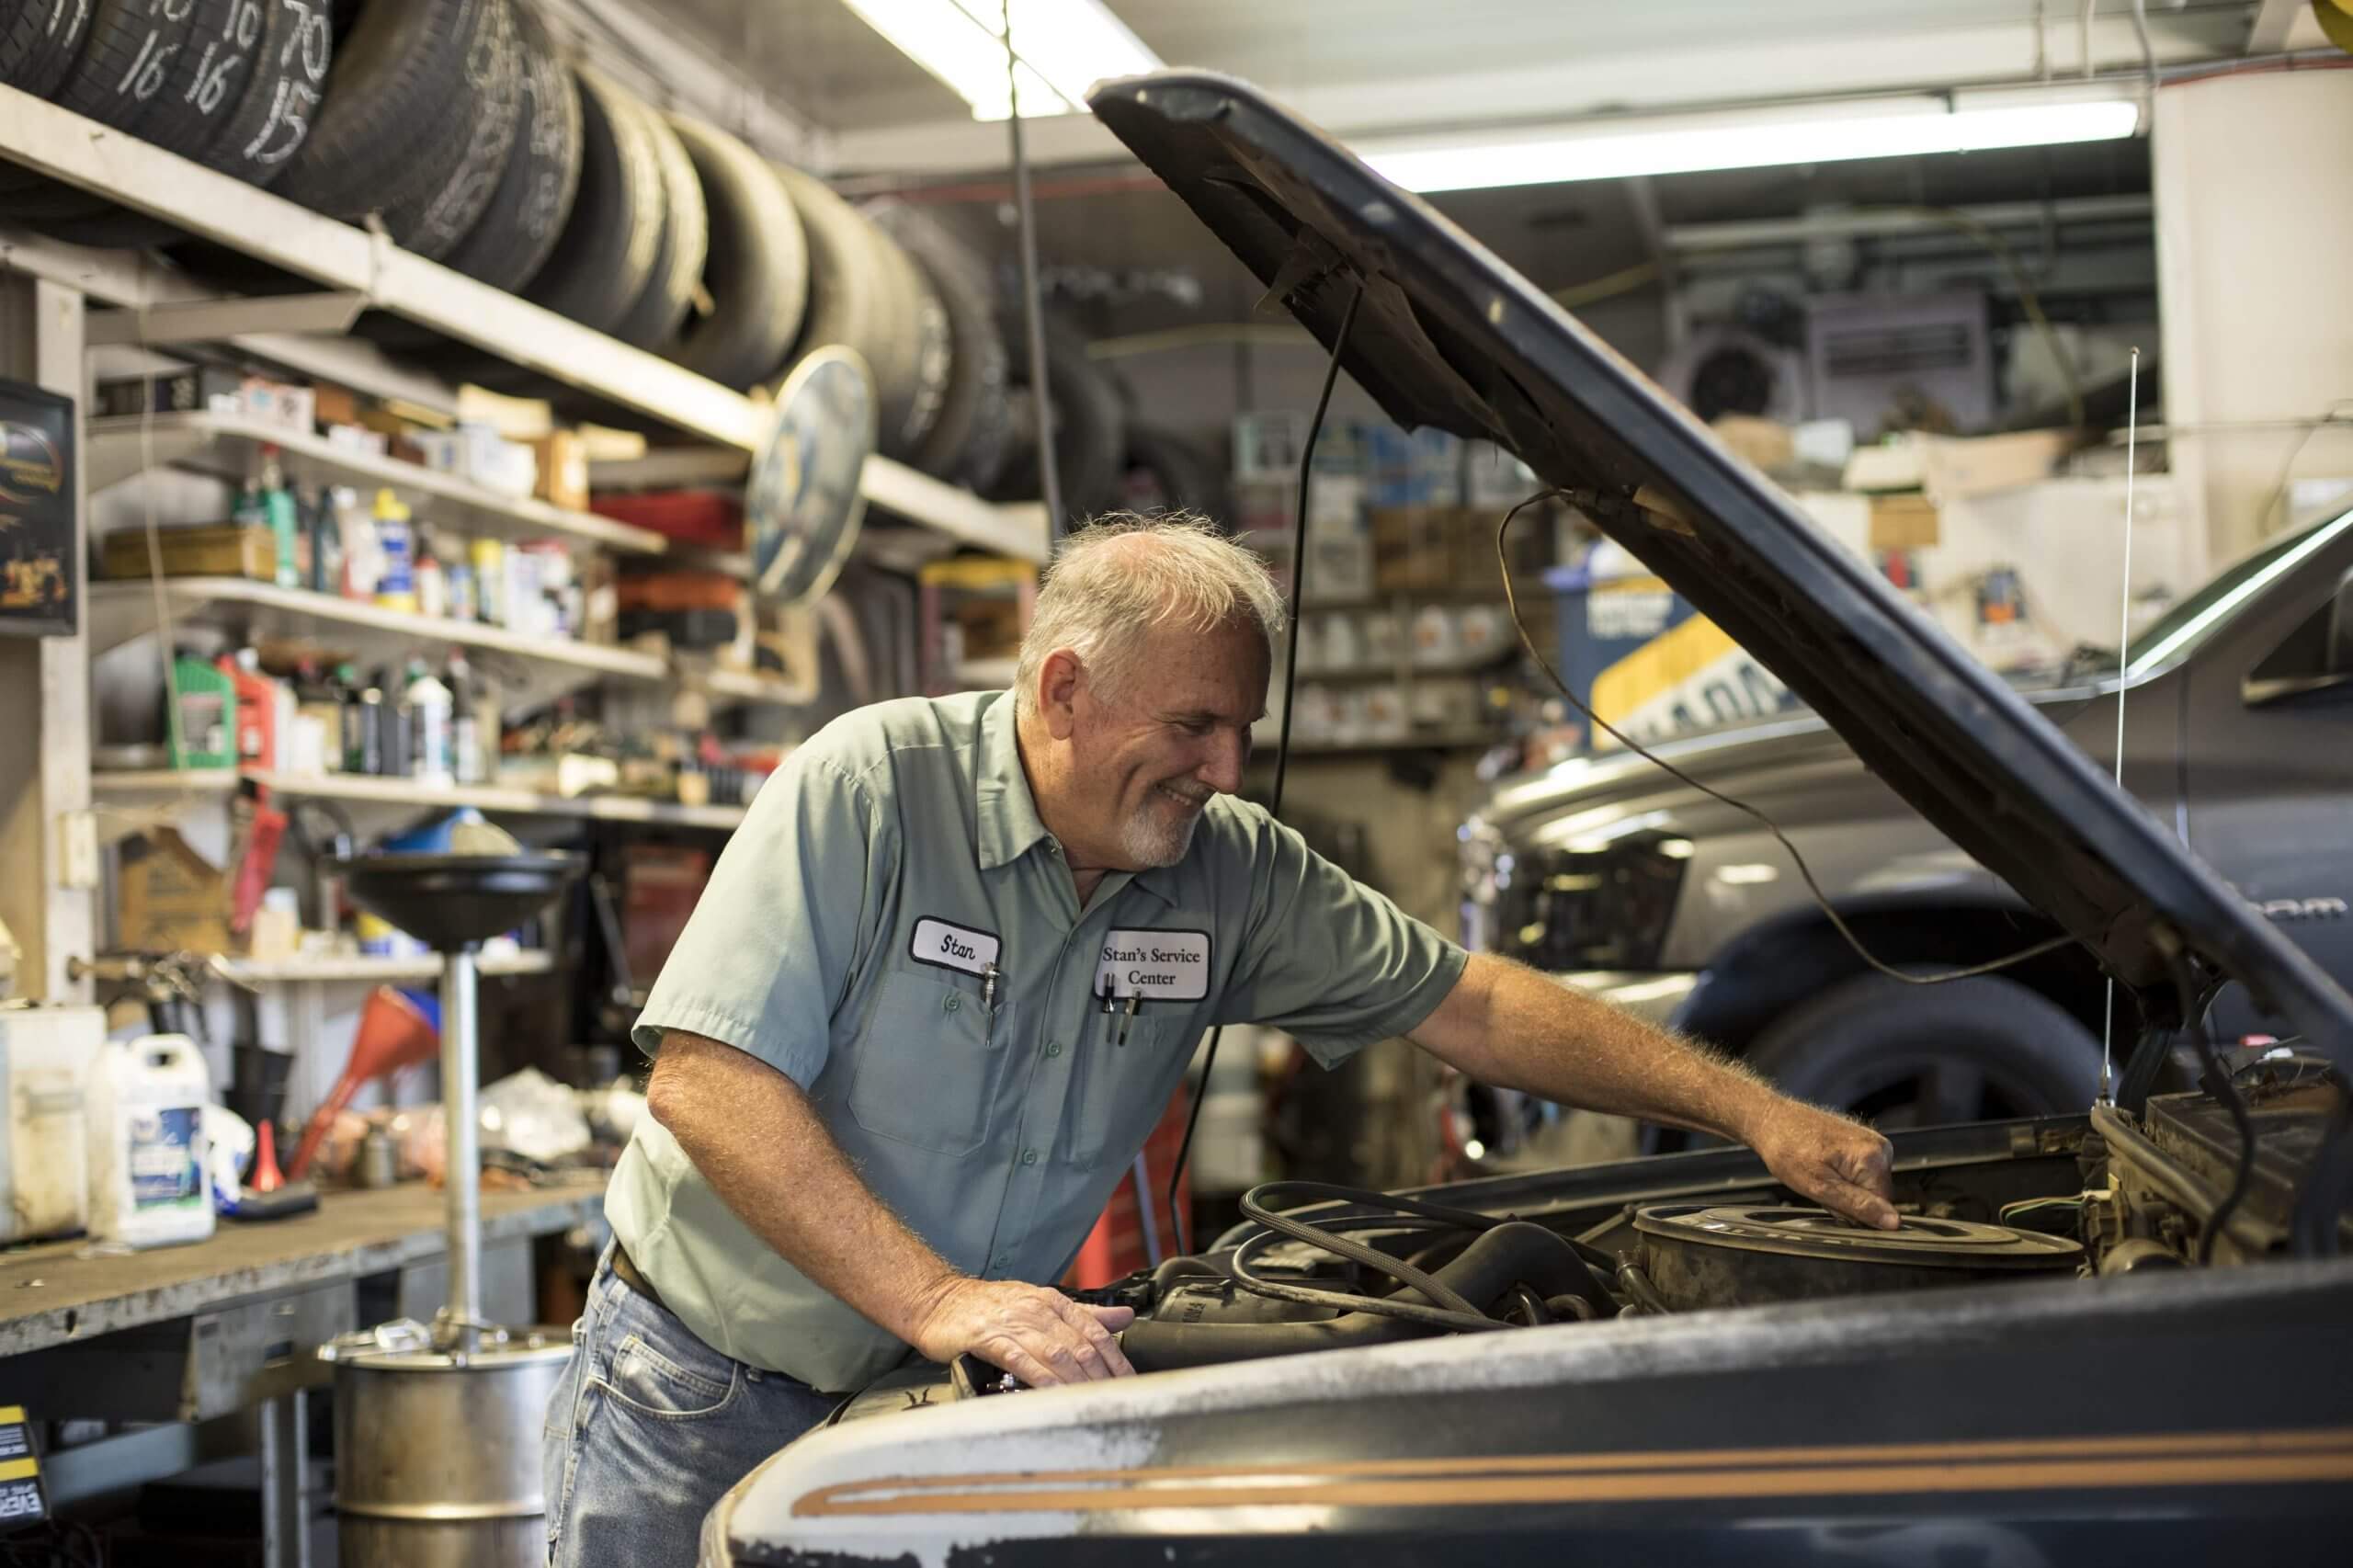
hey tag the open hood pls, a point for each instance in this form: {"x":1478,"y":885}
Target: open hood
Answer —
{"x":1448,"y":336}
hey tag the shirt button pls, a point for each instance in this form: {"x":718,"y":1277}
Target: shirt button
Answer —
{"x":1029,"y":1156}
{"x":951,"y":1003}
{"x":1054,"y":1048}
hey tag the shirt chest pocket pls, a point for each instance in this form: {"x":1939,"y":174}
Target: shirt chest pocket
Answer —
{"x":1118,"y":1092}
{"x":928,"y":1065}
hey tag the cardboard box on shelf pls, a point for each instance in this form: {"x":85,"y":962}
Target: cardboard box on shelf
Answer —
{"x":169,"y":897}
{"x":562,"y":459}
{"x":1903,"y":522}
{"x":200,"y":550}
{"x":1953,"y":468}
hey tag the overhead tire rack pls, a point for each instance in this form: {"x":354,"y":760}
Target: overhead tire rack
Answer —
{"x":355,"y":268}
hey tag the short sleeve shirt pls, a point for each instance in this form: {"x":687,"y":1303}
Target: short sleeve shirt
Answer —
{"x":894,"y":929}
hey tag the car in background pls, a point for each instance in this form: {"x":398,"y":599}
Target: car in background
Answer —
{"x":1615,"y":876}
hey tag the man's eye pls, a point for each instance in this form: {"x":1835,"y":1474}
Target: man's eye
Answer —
{"x":1194,"y":726}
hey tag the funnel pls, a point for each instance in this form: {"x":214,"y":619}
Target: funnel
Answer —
{"x":393,"y":1033}
{"x":455,"y":902}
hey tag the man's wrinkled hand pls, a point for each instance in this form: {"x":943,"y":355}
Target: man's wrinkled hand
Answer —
{"x":1838,"y":1162}
{"x":1039,"y":1335}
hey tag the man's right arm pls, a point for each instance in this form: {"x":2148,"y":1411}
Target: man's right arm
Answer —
{"x":754,"y":1136}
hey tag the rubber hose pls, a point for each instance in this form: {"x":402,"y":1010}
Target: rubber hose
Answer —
{"x":1516,"y":1252}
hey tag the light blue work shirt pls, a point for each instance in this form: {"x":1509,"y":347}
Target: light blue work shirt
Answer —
{"x":893,"y":928}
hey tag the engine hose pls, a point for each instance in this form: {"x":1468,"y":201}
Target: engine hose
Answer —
{"x":1512,"y":1254}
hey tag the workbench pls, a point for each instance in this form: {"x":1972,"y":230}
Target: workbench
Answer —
{"x":188,"y":1334}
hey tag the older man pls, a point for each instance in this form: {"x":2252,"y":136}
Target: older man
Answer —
{"x":941,"y":984}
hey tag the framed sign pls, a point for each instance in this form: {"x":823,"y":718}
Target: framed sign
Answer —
{"x":40,"y":559}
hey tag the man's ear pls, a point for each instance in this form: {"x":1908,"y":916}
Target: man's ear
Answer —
{"x":1060,"y":676}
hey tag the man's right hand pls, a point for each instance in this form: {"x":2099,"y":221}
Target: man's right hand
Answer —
{"x":1039,"y":1335}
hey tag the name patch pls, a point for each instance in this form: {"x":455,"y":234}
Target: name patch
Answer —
{"x":1159,"y":966}
{"x":959,"y":948}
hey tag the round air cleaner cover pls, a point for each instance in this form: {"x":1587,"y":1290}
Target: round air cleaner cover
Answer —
{"x":802,"y":501}
{"x":1736,"y":1254}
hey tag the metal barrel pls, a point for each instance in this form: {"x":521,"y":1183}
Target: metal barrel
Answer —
{"x":437,"y":1456}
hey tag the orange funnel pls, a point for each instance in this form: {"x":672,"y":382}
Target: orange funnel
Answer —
{"x":393,"y":1033}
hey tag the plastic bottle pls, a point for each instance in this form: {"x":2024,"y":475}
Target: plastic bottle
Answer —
{"x":393,"y":722}
{"x":468,"y":758}
{"x":250,"y":512}
{"x":147,"y":1150}
{"x":265,"y":710}
{"x":396,"y":579}
{"x":278,"y":510}
{"x":206,"y":736}
{"x":431,"y":720}
{"x":363,"y":725}
{"x":490,"y":581}
{"x":432,"y":580}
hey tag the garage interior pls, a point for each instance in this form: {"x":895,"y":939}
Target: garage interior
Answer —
{"x":504,"y":431}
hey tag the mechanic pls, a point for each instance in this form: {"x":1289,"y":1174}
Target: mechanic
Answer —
{"x":941,"y":985}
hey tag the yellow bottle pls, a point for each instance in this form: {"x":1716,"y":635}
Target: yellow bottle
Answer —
{"x":396,"y":548}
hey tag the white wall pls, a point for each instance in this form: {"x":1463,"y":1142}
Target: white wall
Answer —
{"x":2255,"y":224}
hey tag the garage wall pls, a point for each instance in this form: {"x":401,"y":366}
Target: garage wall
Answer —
{"x":2253,"y":226}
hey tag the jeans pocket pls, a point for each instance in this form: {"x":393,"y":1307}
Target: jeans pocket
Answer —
{"x":653,"y":1384}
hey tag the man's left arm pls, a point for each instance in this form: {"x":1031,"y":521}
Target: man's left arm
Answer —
{"x":1506,"y":1024}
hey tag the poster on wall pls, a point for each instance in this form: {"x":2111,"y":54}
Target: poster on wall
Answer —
{"x":39,"y":567}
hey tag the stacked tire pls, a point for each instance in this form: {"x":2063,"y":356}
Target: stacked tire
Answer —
{"x":232,"y":85}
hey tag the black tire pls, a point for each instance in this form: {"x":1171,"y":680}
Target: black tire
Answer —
{"x":756,"y":271}
{"x":967,"y":441}
{"x":40,"y":41}
{"x":606,"y":255}
{"x":489,"y":105}
{"x":1182,"y":476}
{"x":393,"y":127}
{"x":654,"y":319}
{"x":280,"y":100}
{"x":1090,"y":430}
{"x":1905,"y":1056}
{"x":518,"y":230}
{"x":926,"y":347}
{"x":853,"y":295}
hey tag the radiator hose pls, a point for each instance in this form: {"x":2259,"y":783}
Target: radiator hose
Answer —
{"x":1515,"y":1253}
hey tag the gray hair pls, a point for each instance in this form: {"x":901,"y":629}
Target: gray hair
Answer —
{"x":1123,"y":574}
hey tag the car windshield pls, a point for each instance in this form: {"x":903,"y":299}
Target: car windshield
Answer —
{"x":2180,"y":629}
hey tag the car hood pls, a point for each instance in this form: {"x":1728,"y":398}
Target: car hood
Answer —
{"x":1448,"y":336}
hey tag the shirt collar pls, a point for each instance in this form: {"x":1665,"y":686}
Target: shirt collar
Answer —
{"x":1008,"y":823}
{"x":1009,"y":826}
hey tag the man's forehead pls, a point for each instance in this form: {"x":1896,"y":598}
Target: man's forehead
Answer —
{"x":1218,"y":672}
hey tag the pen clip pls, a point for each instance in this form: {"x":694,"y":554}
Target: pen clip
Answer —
{"x":1135,"y":1003}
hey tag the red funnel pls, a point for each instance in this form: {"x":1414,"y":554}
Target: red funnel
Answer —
{"x":393,"y":1034}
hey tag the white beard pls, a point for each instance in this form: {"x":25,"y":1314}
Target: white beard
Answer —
{"x":1146,"y":841}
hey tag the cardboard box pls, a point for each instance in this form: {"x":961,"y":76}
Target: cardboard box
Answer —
{"x":169,"y":897}
{"x":563,"y":480}
{"x":1902,"y":522}
{"x":1950,"y":468}
{"x":1767,"y":444}
{"x":198,"y":388}
{"x":205,"y":550}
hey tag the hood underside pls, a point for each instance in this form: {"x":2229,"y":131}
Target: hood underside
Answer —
{"x":1447,"y":335}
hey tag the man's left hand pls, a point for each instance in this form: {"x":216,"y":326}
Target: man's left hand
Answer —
{"x":1838,"y":1162}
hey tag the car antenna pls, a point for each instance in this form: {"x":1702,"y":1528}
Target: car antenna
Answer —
{"x":2123,"y":685}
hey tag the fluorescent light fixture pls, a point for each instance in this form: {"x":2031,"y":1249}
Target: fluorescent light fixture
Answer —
{"x":1066,"y":46}
{"x":1815,"y":134}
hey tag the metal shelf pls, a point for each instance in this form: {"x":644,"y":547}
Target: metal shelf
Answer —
{"x":533,"y":669}
{"x":230,"y":448}
{"x":368,"y":970}
{"x":348,"y":260}
{"x":368,"y":790}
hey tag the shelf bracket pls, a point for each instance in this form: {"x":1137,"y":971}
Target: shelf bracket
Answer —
{"x":209,"y":321}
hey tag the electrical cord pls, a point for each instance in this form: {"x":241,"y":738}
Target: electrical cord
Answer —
{"x":1837,"y":921}
{"x":1282,"y":736}
{"x":2218,"y":1084}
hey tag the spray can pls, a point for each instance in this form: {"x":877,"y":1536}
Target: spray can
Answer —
{"x":396,"y":582}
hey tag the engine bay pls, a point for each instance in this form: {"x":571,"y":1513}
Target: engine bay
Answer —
{"x":1316,"y":1268}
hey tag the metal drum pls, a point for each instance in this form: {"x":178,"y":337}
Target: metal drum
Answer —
{"x":437,"y":1455}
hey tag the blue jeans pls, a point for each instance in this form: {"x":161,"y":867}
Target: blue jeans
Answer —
{"x":648,"y":1427}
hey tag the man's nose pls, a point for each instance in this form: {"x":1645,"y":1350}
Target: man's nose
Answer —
{"x":1228,"y":753}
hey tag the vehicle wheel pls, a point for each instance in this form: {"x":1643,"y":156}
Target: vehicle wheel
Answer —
{"x":397,"y":118}
{"x":517,"y":232}
{"x":967,"y":441}
{"x":278,"y":99}
{"x":757,"y":269}
{"x":1175,"y":475}
{"x":1090,"y":431}
{"x":854,"y":298}
{"x":660,"y":308}
{"x":1904,"y":1056}
{"x":606,"y":255}
{"x":40,"y":41}
{"x":484,"y":110}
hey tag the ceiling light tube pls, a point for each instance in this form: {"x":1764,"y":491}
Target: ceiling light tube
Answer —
{"x":1815,"y":134}
{"x":1066,"y":47}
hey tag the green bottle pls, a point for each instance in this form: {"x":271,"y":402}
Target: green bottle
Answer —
{"x":203,"y":728}
{"x":284,"y":518}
